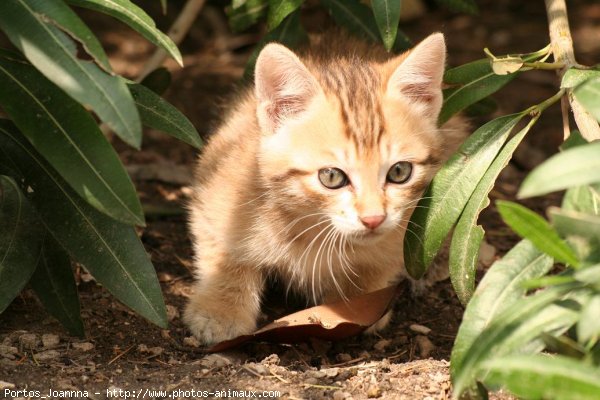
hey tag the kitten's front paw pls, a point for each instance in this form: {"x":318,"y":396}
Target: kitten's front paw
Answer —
{"x":210,"y":328}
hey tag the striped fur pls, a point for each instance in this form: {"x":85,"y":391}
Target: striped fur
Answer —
{"x":259,"y":208}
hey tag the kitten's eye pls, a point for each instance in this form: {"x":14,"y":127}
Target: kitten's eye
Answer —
{"x":333,"y":178}
{"x":400,"y":172}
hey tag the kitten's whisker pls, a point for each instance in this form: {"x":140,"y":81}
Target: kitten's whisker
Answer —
{"x":315,"y":266}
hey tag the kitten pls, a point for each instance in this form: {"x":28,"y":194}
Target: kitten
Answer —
{"x":313,"y":178}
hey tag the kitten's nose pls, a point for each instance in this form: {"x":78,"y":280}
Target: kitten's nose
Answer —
{"x":372,"y":221}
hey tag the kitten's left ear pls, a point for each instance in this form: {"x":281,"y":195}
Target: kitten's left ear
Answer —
{"x":419,"y":76}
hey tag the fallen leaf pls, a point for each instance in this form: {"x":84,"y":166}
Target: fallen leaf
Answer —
{"x":333,"y":321}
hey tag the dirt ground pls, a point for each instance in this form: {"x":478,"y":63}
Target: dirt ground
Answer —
{"x":125,"y":356}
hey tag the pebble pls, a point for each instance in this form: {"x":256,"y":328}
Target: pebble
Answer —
{"x":487,"y":254}
{"x":29,"y":340}
{"x":50,"y":341}
{"x":6,"y":385}
{"x":258,"y":369}
{"x":83,"y":346}
{"x":340,"y":395}
{"x":191,"y":341}
{"x":373,"y":392}
{"x":423,"y":330}
{"x":382,"y":344}
{"x":331,"y":372}
{"x":47,"y":355}
{"x":273,"y":359}
{"x":316,"y":374}
{"x":425,"y":346}
{"x":214,"y":361}
{"x":343,"y":357}
{"x":8,"y":351}
{"x":172,"y":312}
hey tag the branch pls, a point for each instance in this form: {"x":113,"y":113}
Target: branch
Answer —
{"x":562,"y":49}
{"x":177,"y":32}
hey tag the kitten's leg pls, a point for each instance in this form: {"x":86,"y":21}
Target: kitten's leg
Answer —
{"x":385,"y":279}
{"x":225,"y":302}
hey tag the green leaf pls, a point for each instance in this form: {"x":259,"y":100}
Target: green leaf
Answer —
{"x":467,"y":236}
{"x":573,"y":167}
{"x":588,"y":327}
{"x":158,"y":81}
{"x":354,"y":16}
{"x":500,"y":288}
{"x":68,"y":137}
{"x":544,"y":377}
{"x":512,"y":330}
{"x":581,"y":230}
{"x":448,"y":193}
{"x":38,"y":28}
{"x":587,"y":94}
{"x":161,"y":115}
{"x":163,"y":6}
{"x":575,"y":77}
{"x":279,"y":9}
{"x":111,"y":251}
{"x":289,"y":33}
{"x":472,"y":82}
{"x":246,"y":14}
{"x":583,"y":199}
{"x":55,"y":286}
{"x":589,"y":275}
{"x":136,"y":18}
{"x":466,"y":6}
{"x":530,"y":225}
{"x":483,"y":107}
{"x":387,"y":16}
{"x":20,"y":241}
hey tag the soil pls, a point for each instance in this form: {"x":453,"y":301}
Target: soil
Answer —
{"x":123,"y":353}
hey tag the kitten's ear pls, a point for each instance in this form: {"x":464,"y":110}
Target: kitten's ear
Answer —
{"x":419,"y":76}
{"x":284,"y":87}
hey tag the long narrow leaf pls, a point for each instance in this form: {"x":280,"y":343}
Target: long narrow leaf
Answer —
{"x":20,"y":241}
{"x":354,"y":16}
{"x":387,"y":16}
{"x":246,"y":14}
{"x":290,"y":33}
{"x":467,"y":236}
{"x":573,"y":167}
{"x":530,"y":225}
{"x":33,"y":26}
{"x":54,"y":284}
{"x":472,"y":82}
{"x":448,"y":193}
{"x":111,"y":251}
{"x":515,"y":327}
{"x":159,"y":114}
{"x":68,"y":137}
{"x":279,"y":10}
{"x":136,"y":18}
{"x":587,"y":94}
{"x":500,"y":288}
{"x":544,"y":377}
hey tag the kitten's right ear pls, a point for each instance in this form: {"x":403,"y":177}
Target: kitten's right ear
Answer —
{"x":284,"y":87}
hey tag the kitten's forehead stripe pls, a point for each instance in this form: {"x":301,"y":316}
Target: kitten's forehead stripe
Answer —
{"x":357,"y":86}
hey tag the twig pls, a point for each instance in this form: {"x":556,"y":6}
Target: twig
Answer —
{"x":121,"y":354}
{"x":177,"y":32}
{"x":562,"y":49}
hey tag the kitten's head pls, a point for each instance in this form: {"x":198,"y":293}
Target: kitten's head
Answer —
{"x":353,"y":142}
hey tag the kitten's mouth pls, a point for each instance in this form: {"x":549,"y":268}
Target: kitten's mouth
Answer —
{"x":369,"y":236}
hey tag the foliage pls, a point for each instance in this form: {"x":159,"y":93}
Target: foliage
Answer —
{"x":376,"y":22}
{"x":522,"y":306}
{"x":64,"y":194}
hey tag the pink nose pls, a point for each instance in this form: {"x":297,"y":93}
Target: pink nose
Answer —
{"x":372,"y":221}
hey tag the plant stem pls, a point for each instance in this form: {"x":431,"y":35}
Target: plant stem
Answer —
{"x":562,"y":49}
{"x":177,"y":32}
{"x":544,"y":65}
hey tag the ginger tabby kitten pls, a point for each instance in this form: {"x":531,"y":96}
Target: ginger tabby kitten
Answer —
{"x":313,"y":178}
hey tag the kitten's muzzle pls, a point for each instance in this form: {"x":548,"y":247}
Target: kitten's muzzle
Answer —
{"x":372,"y":221}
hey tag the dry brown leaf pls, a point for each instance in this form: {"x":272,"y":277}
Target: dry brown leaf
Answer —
{"x":333,"y":321}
